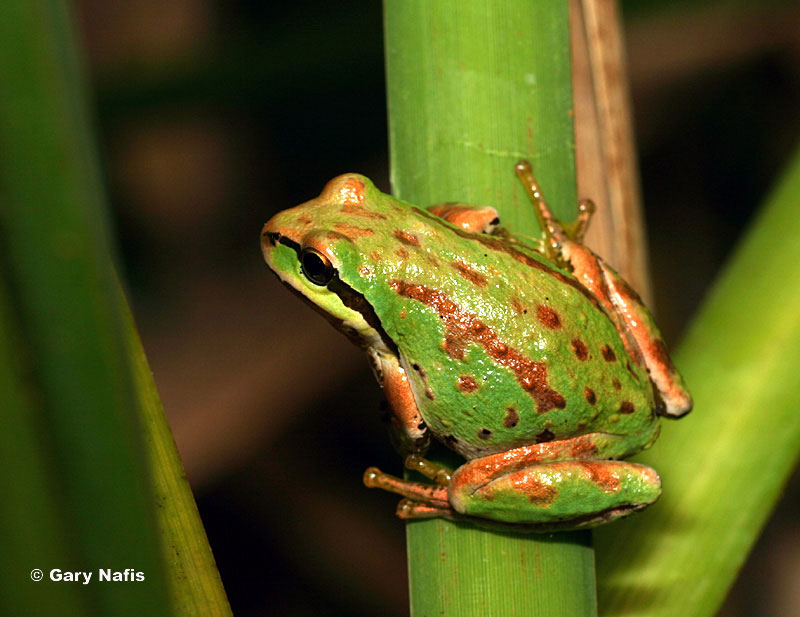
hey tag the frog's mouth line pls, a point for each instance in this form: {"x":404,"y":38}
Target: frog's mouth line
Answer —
{"x":351,"y":298}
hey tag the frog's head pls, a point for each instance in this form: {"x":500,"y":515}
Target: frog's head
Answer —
{"x":312,"y":249}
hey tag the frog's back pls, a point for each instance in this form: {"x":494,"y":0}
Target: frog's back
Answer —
{"x":502,"y":348}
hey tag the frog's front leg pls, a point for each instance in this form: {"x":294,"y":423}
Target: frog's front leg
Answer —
{"x":407,"y":429}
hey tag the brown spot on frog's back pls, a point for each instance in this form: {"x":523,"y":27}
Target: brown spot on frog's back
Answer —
{"x":496,"y":244}
{"x":473,"y":276}
{"x":358,"y":211}
{"x":512,"y":418}
{"x":463,"y":328}
{"x":557,"y":400}
{"x":351,"y":231}
{"x":467,"y":383}
{"x":375,"y":255}
{"x":580,"y":349}
{"x":545,"y":436}
{"x":401,"y":253}
{"x":608,"y":354}
{"x":626,"y":407}
{"x":590,"y":396}
{"x":617,"y":385}
{"x":484,"y":433}
{"x":548,"y":317}
{"x":518,"y":307}
{"x":406,"y":238}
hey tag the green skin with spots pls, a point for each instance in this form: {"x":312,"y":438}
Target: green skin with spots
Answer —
{"x":501,"y":347}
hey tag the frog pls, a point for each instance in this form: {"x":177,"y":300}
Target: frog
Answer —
{"x":530,"y":357}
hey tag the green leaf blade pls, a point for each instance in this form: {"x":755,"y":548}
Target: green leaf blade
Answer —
{"x":723,"y":466}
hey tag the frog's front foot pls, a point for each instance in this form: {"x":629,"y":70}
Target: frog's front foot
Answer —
{"x":421,"y":500}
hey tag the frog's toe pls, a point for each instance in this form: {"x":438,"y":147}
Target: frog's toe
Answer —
{"x":409,"y":509}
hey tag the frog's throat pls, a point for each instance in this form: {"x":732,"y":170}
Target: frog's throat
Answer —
{"x":378,"y":341}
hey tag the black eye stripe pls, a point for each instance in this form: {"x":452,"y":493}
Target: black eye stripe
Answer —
{"x":349,"y":296}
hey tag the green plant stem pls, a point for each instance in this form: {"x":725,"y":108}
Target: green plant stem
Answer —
{"x":724,"y":466}
{"x":474,"y":87}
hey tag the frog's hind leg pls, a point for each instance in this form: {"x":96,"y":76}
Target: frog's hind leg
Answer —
{"x":540,"y":487}
{"x":640,"y":326}
{"x":630,"y":316}
{"x":553,"y":495}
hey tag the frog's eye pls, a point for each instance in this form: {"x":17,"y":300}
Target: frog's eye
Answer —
{"x":316,"y":267}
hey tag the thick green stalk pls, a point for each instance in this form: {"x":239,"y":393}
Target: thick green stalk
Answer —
{"x":474,"y":87}
{"x":723,"y":466}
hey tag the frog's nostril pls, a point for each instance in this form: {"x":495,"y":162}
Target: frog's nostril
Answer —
{"x":272,"y":237}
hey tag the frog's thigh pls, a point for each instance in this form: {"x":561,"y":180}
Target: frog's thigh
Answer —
{"x":579,"y":492}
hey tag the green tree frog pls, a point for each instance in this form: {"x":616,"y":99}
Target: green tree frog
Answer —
{"x":531,"y":358}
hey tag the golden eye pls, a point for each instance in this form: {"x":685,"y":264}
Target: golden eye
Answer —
{"x":316,"y":267}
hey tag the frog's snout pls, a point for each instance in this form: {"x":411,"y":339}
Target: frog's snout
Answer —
{"x":269,"y":238}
